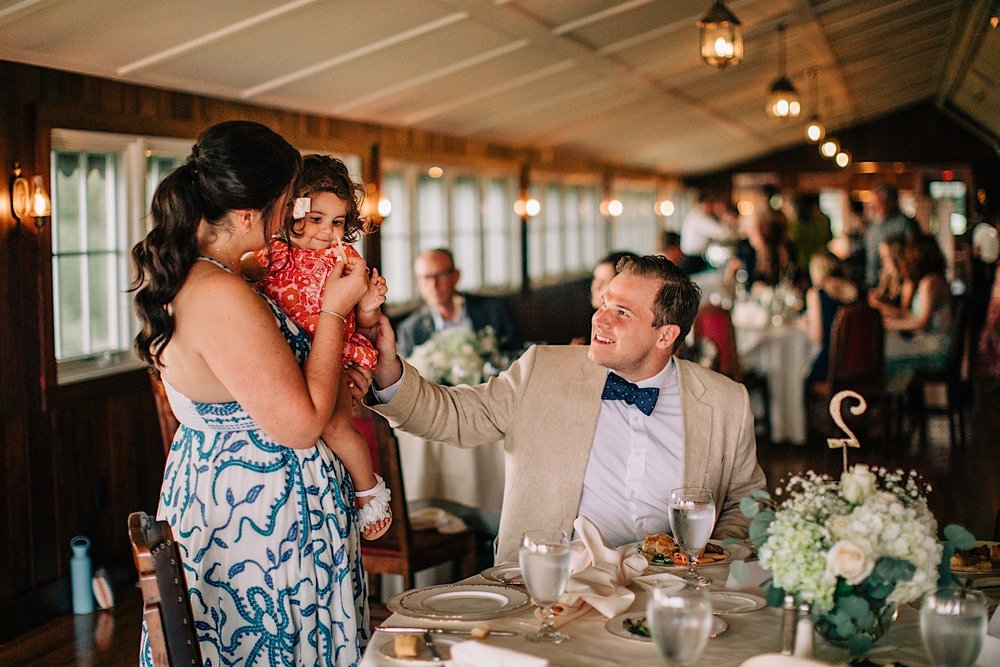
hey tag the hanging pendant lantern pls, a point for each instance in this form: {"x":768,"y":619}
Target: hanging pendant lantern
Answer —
{"x":782,"y":97}
{"x":721,"y":37}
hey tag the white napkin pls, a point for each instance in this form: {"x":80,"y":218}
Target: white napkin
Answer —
{"x":750,"y":314}
{"x":600,"y":574}
{"x":435,"y":517}
{"x":994,"y":625}
{"x":476,"y":654}
{"x":990,"y":653}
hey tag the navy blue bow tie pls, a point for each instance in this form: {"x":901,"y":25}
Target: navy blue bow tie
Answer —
{"x":618,"y":388}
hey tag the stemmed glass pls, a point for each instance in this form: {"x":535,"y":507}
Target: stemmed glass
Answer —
{"x":545,"y":564}
{"x":680,"y":622}
{"x":953,"y":624}
{"x":692,"y":517}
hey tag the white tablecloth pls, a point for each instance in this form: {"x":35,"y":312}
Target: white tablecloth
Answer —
{"x":783,"y":354}
{"x":472,"y":477}
{"x":591,"y":645}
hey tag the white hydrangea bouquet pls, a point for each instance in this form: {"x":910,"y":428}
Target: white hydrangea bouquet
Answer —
{"x":459,"y":356}
{"x":853,"y":548}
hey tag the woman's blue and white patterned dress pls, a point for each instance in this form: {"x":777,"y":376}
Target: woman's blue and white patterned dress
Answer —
{"x":269,"y":539}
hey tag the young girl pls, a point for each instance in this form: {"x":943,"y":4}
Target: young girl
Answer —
{"x":326,"y":215}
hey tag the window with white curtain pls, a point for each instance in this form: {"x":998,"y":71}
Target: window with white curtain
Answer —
{"x":636,"y":228}
{"x":501,"y":234}
{"x":397,"y":239}
{"x":102,"y":185}
{"x":466,"y":226}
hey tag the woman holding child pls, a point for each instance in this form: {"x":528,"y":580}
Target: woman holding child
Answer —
{"x":261,"y":508}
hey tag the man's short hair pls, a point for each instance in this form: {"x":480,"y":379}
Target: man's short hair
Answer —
{"x":444,"y":251}
{"x":677,"y":300}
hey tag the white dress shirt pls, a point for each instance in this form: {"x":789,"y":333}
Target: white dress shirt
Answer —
{"x":461,"y":318}
{"x":634,"y":464}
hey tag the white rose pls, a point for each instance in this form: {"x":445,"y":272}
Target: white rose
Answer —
{"x":838,"y":526}
{"x":846,"y":559}
{"x":857,"y":484}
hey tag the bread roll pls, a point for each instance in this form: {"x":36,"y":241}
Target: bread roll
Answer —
{"x":408,"y":645}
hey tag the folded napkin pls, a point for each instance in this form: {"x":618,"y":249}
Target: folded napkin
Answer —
{"x":993,"y":628}
{"x":435,"y":517}
{"x":599,"y":574}
{"x":476,"y":654}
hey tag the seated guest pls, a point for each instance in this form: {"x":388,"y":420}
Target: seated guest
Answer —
{"x":809,"y":229}
{"x":830,"y":290}
{"x":889,"y":221}
{"x":445,"y":308}
{"x":570,"y":453}
{"x":604,"y":271}
{"x":671,"y":249}
{"x":918,"y":333}
{"x":889,"y":289}
{"x":766,"y":254}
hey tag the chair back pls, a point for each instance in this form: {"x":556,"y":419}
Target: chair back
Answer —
{"x":857,"y":348}
{"x":166,"y":607}
{"x":168,"y":422}
{"x":398,"y":537}
{"x":715,"y":324}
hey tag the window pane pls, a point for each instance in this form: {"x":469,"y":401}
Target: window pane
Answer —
{"x":501,"y":240}
{"x":594,"y":246}
{"x":571,"y":229}
{"x":536,"y":241}
{"x":101,"y":290}
{"x":554,"y":240}
{"x":100,"y":202}
{"x":69,"y":282}
{"x":66,"y":202}
{"x":157,"y":168}
{"x":432,"y":221}
{"x":395,"y":230}
{"x":467,"y":246}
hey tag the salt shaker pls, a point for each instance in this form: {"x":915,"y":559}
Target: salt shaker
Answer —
{"x":788,"y":625}
{"x":804,"y":632}
{"x":80,"y":576}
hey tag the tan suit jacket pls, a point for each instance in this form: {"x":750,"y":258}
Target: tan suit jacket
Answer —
{"x":545,"y":409}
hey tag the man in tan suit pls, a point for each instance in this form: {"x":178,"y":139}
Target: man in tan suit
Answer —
{"x":582,"y":440}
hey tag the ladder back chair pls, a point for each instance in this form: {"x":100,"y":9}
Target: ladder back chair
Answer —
{"x":166,"y":606}
{"x":403,"y":550}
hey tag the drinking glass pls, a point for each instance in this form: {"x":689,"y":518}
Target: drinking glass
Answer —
{"x":692,"y":517}
{"x":680,"y":622}
{"x":953,"y":624}
{"x":545,"y":564}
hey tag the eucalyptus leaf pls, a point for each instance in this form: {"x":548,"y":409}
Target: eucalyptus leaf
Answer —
{"x":760,"y":494}
{"x":960,"y":537}
{"x":749,"y":506}
{"x":859,"y":645}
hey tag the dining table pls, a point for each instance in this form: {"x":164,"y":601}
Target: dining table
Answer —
{"x":597,"y":641}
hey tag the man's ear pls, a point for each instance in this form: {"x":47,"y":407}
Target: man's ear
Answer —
{"x":669,"y":333}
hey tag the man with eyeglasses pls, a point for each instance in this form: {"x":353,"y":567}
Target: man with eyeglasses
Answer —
{"x":445,"y":308}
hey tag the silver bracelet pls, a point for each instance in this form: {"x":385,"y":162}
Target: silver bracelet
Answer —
{"x":330,"y":312}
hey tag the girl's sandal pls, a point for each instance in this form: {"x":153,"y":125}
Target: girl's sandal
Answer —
{"x":375,"y":510}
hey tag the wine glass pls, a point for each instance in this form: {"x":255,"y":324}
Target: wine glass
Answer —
{"x":680,"y":622}
{"x":545,"y":563}
{"x":692,"y":517}
{"x":953,"y":624}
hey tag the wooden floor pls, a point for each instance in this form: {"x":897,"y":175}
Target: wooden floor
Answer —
{"x":966,"y":491}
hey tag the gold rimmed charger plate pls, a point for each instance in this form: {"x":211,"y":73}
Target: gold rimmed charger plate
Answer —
{"x":459,"y":602}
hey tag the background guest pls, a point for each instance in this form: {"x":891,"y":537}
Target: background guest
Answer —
{"x":445,"y":308}
{"x":700,"y":227}
{"x":888,"y":222}
{"x":889,"y":290}
{"x":829,"y":292}
{"x":809,"y":229}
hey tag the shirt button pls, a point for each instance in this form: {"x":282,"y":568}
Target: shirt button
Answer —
{"x":631,"y":493}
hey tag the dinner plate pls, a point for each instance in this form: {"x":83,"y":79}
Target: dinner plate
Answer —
{"x":727,"y":557}
{"x":424,"y":657}
{"x":505,"y":573}
{"x":973,"y":570}
{"x":616,"y":626}
{"x":459,"y":602}
{"x":734,"y":602}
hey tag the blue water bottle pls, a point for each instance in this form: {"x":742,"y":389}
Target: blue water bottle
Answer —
{"x":80,"y":576}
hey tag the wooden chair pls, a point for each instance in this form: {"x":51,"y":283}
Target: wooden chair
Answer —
{"x":714,"y":323}
{"x":857,"y":360}
{"x":166,"y":607}
{"x":946,"y":392}
{"x":168,"y":422}
{"x":402,"y":550}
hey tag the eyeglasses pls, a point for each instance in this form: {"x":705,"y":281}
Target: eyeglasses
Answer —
{"x":434,"y":277}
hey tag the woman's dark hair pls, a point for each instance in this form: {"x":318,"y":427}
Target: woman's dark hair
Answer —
{"x":322,"y":173}
{"x":234,"y":165}
{"x":678,"y":298}
{"x":922,"y":256}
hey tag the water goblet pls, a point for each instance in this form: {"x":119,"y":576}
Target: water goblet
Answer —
{"x":545,"y":565}
{"x":680,"y":622}
{"x":952,"y":625}
{"x":692,"y":517}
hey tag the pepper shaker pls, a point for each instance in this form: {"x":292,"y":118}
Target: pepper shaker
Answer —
{"x":804,"y":632}
{"x":788,"y":625}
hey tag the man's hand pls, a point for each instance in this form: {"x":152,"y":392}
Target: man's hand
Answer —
{"x":358,"y":381}
{"x":389,"y":368}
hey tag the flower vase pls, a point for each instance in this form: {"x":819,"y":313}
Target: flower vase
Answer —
{"x":857,"y":624}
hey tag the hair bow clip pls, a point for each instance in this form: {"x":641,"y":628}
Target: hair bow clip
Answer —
{"x":301,"y":206}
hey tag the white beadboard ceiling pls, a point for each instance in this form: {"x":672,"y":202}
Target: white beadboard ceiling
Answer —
{"x":617,"y":79}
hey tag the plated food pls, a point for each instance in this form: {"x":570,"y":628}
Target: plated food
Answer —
{"x":982,"y":558}
{"x":661,"y":549}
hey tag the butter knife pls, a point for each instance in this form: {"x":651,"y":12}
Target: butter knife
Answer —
{"x":443,"y":631}
{"x":429,"y":643}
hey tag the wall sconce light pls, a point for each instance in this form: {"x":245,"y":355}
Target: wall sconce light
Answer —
{"x":665,"y":208}
{"x":28,"y":198}
{"x":721,"y":37}
{"x":612,"y":208}
{"x":782,"y":97}
{"x":384,"y":207}
{"x":527,"y":208}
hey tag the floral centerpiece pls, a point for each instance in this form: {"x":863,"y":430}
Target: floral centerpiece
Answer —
{"x":854,"y":548}
{"x":459,"y":356}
